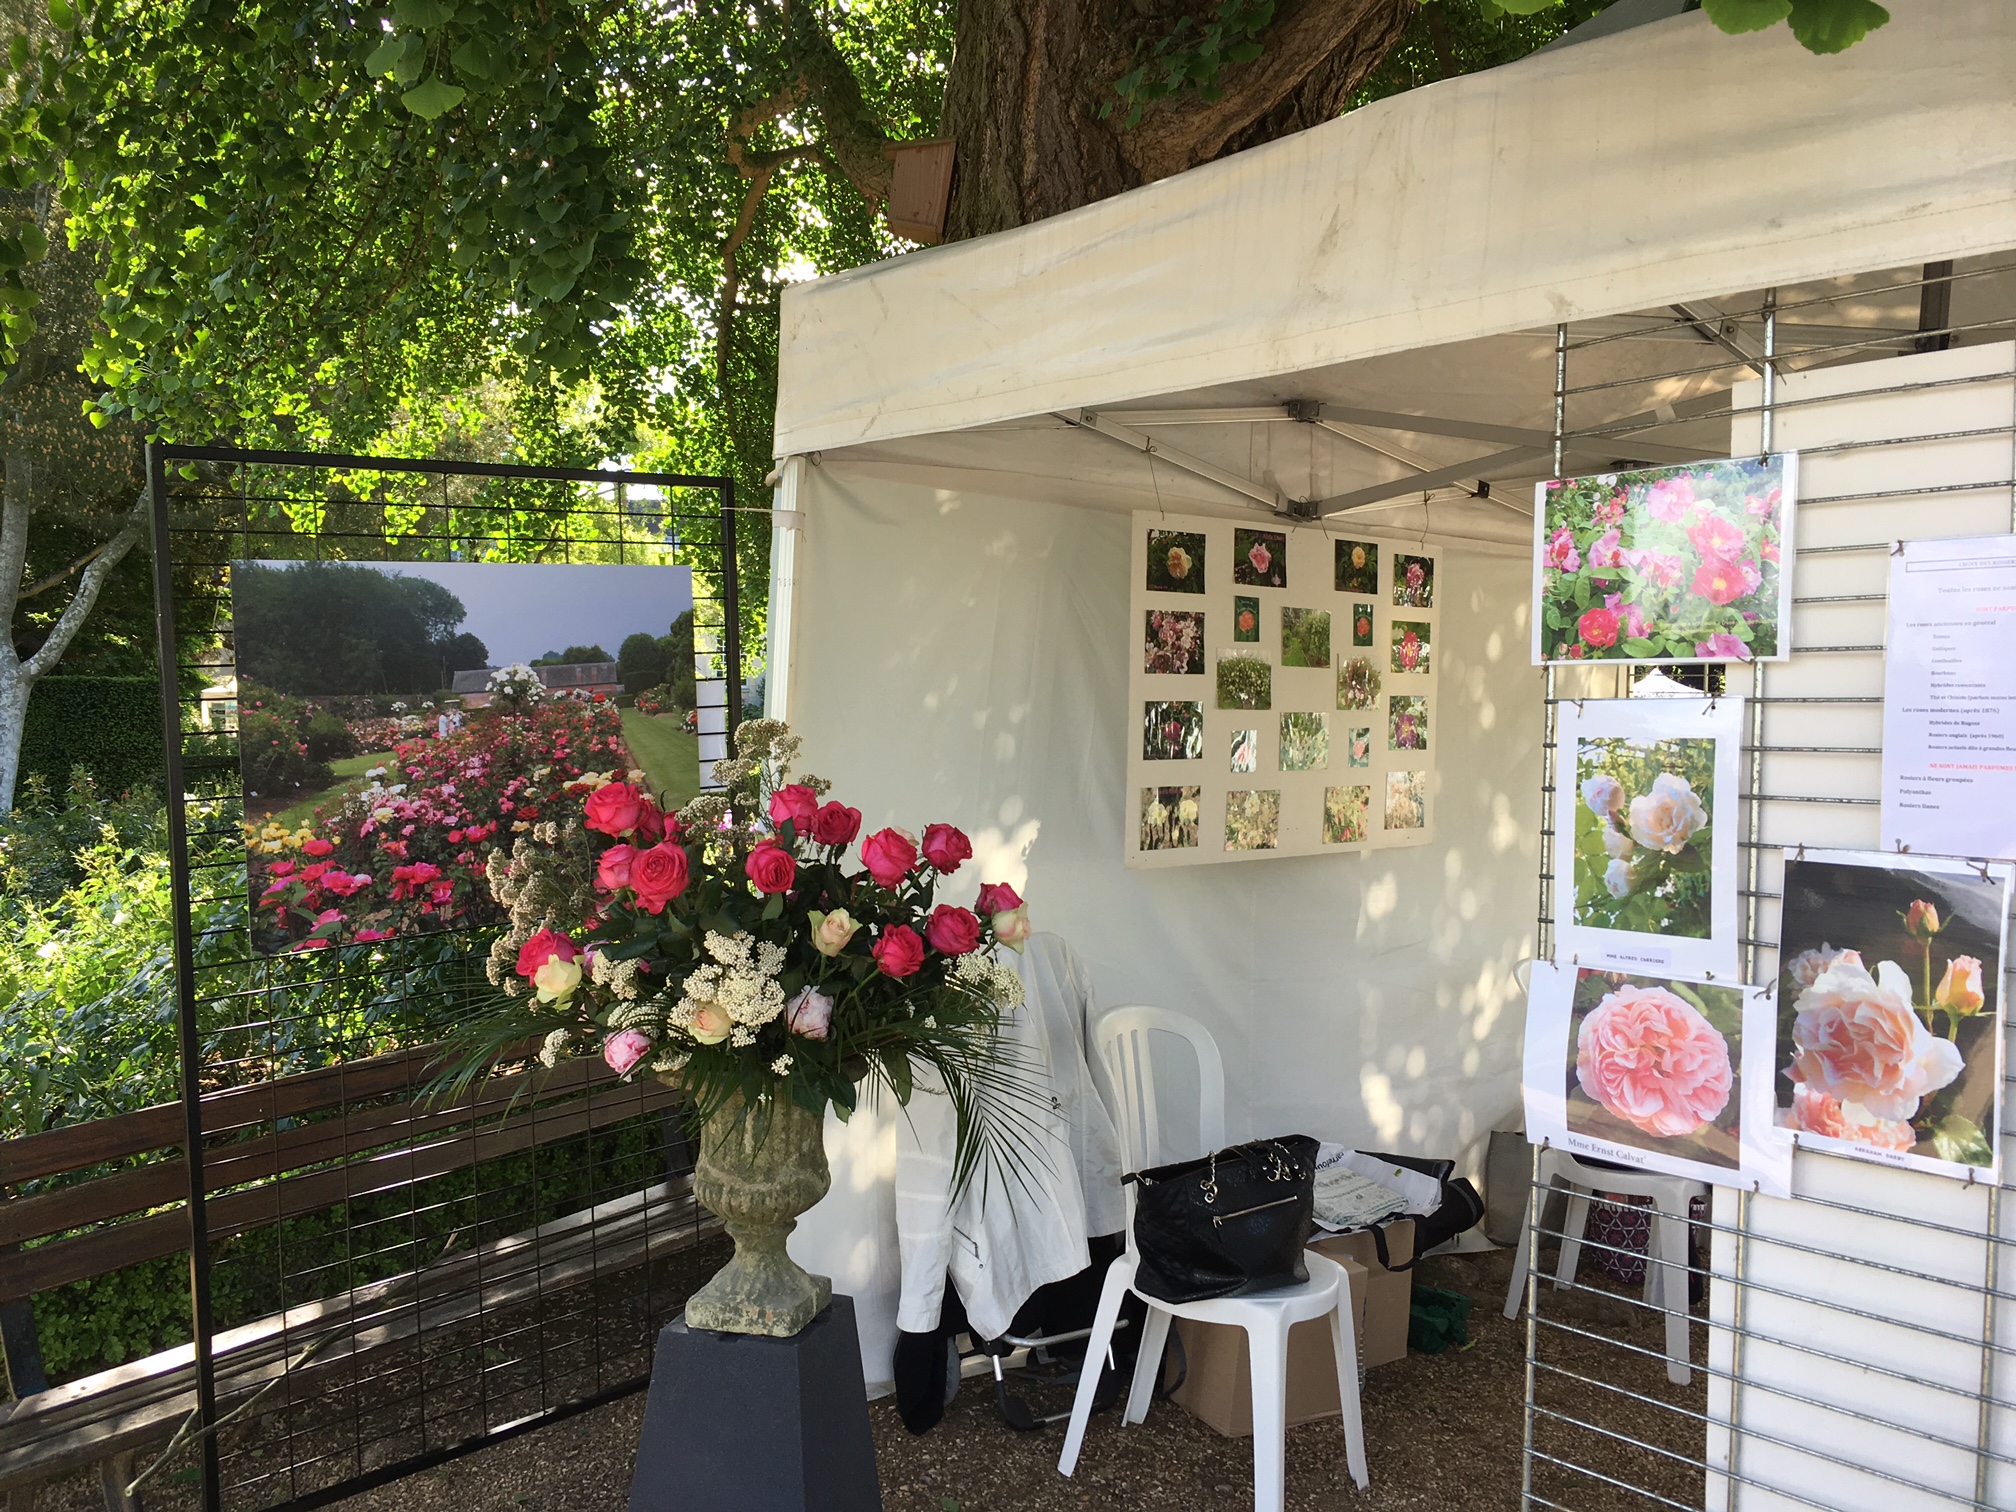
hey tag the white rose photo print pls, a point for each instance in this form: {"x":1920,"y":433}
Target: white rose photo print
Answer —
{"x":1889,"y":1013}
{"x":1662,"y":1073}
{"x":1645,"y":820}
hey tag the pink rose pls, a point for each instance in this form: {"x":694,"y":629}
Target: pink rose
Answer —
{"x":836,"y":824}
{"x":545,"y":946}
{"x":809,"y":1014}
{"x":1711,"y":535}
{"x":1815,"y":1112}
{"x":1607,"y":549}
{"x":996,"y":897}
{"x":795,"y":804}
{"x":1766,"y":504}
{"x":898,"y":951}
{"x":1722,"y":581}
{"x":1561,"y":552}
{"x":1669,"y":499}
{"x":945,"y":847}
{"x":1598,"y":627}
{"x":658,"y":876}
{"x":613,"y":809}
{"x":1649,"y":1057}
{"x":613,"y":869}
{"x":888,"y":854}
{"x":771,"y":868}
{"x":952,"y":931}
{"x":1856,"y":1038}
{"x":316,"y":847}
{"x":1722,"y":646}
{"x":623,"y":1049}
{"x":1260,"y":557}
{"x":652,"y":823}
{"x":1661,"y":568}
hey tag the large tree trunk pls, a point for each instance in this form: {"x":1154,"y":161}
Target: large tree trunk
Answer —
{"x":1029,"y":78}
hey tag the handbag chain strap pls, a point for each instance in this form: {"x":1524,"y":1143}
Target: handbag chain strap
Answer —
{"x":1280,"y":1167}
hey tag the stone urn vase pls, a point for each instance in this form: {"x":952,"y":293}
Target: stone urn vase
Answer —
{"x":759,"y":1168}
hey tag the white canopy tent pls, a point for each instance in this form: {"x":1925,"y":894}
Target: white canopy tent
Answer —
{"x":1355,"y":324}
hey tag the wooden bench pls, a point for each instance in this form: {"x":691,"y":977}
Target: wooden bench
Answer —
{"x":258,"y":1175}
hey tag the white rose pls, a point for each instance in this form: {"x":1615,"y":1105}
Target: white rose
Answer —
{"x":556,"y":979}
{"x":1011,"y":927}
{"x":1617,"y":877}
{"x":1669,"y":816}
{"x":832,"y":931}
{"x":710,"y":1025}
{"x":1618,"y":844}
{"x":1603,"y":794}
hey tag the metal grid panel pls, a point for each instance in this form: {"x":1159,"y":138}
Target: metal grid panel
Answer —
{"x":423,"y":1286}
{"x":1852,"y":1352}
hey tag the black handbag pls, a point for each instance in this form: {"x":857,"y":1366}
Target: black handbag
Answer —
{"x":1228,"y":1225}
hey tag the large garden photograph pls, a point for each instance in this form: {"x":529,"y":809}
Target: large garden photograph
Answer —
{"x":399,"y":722}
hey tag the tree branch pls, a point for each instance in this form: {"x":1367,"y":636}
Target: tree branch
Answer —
{"x":14,"y":510}
{"x":56,"y":577}
{"x":79,"y":608}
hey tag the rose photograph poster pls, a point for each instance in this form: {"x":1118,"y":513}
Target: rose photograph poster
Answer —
{"x":1645,"y":830}
{"x":1665,"y":564}
{"x":1889,"y":1009}
{"x":400,"y":722}
{"x":1662,"y":1073}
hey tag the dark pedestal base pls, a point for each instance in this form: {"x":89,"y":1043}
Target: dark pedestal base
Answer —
{"x":742,"y":1423}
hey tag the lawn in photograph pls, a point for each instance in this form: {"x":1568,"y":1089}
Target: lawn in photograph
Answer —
{"x":1245,"y":618}
{"x":1358,"y":569}
{"x":1172,"y":730}
{"x":1644,"y":834}
{"x":1357,"y":683}
{"x":1664,"y":564}
{"x":1169,"y":818}
{"x":1305,"y":637}
{"x":1173,"y":641}
{"x":1253,"y":820}
{"x":1305,"y":742}
{"x":1176,"y":561}
{"x":1344,"y":814}
{"x":1410,"y":645}
{"x":1406,"y":800}
{"x":1361,"y":624}
{"x":381,"y":823}
{"x":1360,"y":749}
{"x":1889,"y":1011}
{"x":1406,"y":723}
{"x":1245,"y":680}
{"x":1245,"y":750}
{"x":1260,"y":558}
{"x":1413,"y":581}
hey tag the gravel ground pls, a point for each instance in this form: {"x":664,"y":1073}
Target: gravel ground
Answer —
{"x":1442,"y":1432}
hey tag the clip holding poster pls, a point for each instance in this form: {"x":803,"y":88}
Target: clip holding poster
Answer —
{"x":1889,"y":1012}
{"x":1645,"y":834}
{"x":1661,"y":1073}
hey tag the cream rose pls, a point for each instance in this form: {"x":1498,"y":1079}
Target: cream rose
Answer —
{"x":1669,"y":816}
{"x":832,"y":931}
{"x":1959,"y":990}
{"x":1011,"y":927}
{"x":556,"y":979}
{"x":1857,"y":1039}
{"x":710,"y":1024}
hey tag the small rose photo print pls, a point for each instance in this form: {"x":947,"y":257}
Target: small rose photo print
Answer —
{"x":1413,"y":581}
{"x":1253,"y":820}
{"x":1173,"y":642}
{"x":1176,"y":561}
{"x":1245,"y":618}
{"x":1357,"y":683}
{"x":1344,"y":814}
{"x":1305,"y":637}
{"x":1361,"y":624}
{"x":1260,"y":558}
{"x":1665,"y":564}
{"x":1889,"y":1008}
{"x":1407,"y":724}
{"x":1406,"y":800}
{"x":1245,"y":750}
{"x":1360,"y":749}
{"x":1305,"y":742}
{"x":1410,"y":645}
{"x":1172,"y":731}
{"x":1358,"y":569}
{"x":1169,"y":818}
{"x":1245,"y":680}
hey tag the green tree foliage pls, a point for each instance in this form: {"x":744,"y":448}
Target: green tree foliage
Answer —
{"x":573,"y":656}
{"x":320,"y":629}
{"x":641,"y":662}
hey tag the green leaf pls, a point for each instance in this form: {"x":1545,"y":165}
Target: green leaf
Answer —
{"x":1960,"y":1140}
{"x":774,"y":909}
{"x":433,"y":99}
{"x":1736,"y":16}
{"x":1831,"y":26}
{"x":62,"y":15}
{"x":475,"y":59}
{"x":1637,"y":646}
{"x":423,"y":15}
{"x":1525,"y":7}
{"x":385,"y":57}
{"x":17,"y":52}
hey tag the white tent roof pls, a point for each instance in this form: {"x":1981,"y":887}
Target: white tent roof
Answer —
{"x":1661,"y":165}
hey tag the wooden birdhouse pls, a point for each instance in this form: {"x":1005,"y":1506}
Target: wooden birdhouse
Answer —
{"x":920,"y":191}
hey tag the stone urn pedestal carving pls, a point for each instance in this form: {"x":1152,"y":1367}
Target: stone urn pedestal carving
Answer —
{"x":759,"y":1168}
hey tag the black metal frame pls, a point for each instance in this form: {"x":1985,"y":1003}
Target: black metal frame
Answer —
{"x":159,"y":459}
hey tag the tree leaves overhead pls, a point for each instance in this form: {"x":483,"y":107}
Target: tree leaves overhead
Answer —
{"x":1821,"y":26}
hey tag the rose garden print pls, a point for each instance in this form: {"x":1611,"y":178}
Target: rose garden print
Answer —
{"x":1664,"y":564}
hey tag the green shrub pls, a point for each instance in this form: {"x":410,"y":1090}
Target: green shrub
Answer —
{"x":273,"y":744}
{"x":109,"y":725}
{"x":327,"y":737}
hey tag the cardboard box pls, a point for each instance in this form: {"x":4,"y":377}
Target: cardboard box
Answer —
{"x":1218,"y":1380}
{"x":1218,"y":1385}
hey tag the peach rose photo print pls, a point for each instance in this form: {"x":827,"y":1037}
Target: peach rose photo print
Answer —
{"x":1889,"y":1017}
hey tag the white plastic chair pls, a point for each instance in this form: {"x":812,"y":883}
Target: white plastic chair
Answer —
{"x":1122,"y":1041}
{"x":1665,"y":1249}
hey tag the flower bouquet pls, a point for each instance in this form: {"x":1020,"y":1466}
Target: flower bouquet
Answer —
{"x":732,"y":950}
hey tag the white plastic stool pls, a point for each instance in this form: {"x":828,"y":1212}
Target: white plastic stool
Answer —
{"x":1665,"y":1249}
{"x":1266,"y":1319}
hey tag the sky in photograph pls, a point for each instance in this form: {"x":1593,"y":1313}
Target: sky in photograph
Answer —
{"x":523,"y":610}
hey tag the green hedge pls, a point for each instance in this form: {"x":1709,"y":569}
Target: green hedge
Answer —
{"x":109,"y":725}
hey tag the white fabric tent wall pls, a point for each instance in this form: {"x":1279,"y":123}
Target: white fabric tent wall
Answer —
{"x":963,"y":657}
